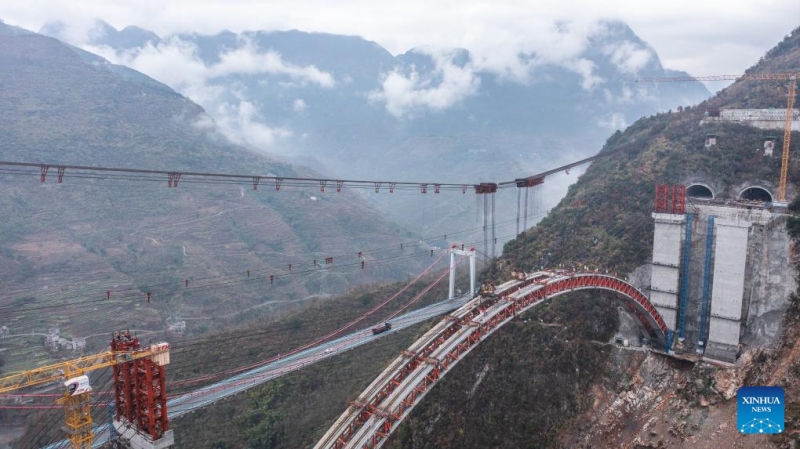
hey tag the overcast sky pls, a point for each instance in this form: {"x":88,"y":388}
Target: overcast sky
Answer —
{"x":702,"y":37}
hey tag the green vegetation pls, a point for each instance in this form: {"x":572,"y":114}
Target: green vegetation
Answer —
{"x":296,"y":410}
{"x":260,"y":418}
{"x":604,"y":220}
{"x":791,"y":383}
{"x":529,"y":391}
{"x":522,"y":384}
{"x":72,"y":241}
{"x":23,"y":300}
{"x":293,"y":411}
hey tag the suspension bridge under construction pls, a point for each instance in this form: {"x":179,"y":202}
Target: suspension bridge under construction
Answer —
{"x":142,"y":409}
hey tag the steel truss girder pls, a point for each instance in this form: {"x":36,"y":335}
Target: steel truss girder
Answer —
{"x":386,"y":417}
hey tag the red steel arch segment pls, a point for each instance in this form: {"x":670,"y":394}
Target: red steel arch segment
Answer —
{"x":635,"y":300}
{"x":381,"y":408}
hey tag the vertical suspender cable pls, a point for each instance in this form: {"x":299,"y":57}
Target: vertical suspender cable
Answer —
{"x":525,"y":225}
{"x":485,"y":230}
{"x":494,"y":240}
{"x":519,"y":197}
{"x":525,"y":220}
{"x":477,"y":208}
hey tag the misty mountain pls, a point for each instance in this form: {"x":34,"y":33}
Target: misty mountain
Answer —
{"x":63,"y":245}
{"x":126,"y":38}
{"x":350,"y":108}
{"x":543,"y":380}
{"x":593,"y":92}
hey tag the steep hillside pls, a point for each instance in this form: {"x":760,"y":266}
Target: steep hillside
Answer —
{"x":288,"y":412}
{"x":550,"y":378}
{"x":63,"y":245}
{"x":635,"y":400}
{"x":612,"y":201}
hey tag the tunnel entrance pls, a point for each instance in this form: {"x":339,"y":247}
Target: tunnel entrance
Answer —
{"x":755,"y":194}
{"x":700,"y":191}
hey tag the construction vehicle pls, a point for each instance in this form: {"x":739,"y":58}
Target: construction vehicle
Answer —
{"x":72,"y":373}
{"x":518,"y":275}
{"x":487,"y":290}
{"x":381,"y":329}
{"x":787,"y":133}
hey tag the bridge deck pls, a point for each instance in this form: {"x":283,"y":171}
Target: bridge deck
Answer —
{"x":380,"y":409}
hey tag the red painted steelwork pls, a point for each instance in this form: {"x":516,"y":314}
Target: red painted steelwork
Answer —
{"x":662,"y":192}
{"x":485,"y":187}
{"x":140,"y":389}
{"x":123,"y":387}
{"x":678,"y":199}
{"x":529,"y":182}
{"x":389,"y":418}
{"x":151,"y":398}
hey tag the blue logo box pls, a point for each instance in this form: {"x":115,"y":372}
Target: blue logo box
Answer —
{"x":759,"y":410}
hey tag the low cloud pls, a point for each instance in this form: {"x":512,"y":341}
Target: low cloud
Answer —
{"x":409,"y":93}
{"x":242,"y":124}
{"x":584,"y":68}
{"x":176,"y":63}
{"x":513,"y":53}
{"x":615,"y":121}
{"x":246,"y":60}
{"x":508,"y":54}
{"x":299,"y":105}
{"x":634,"y":93}
{"x":173,"y":62}
{"x":628,"y":56}
{"x":516,"y":52}
{"x":161,"y":60}
{"x":682,"y":31}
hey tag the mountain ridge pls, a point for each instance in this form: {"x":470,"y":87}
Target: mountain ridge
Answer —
{"x":353,"y":109}
{"x":69,"y":242}
{"x":551,"y":377}
{"x":631,"y":398}
{"x":358,"y":66}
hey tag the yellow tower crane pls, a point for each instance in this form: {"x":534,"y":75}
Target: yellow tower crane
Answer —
{"x":76,"y":397}
{"x":791,"y":94}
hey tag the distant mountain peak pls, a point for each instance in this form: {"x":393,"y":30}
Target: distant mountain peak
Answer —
{"x":11,"y":30}
{"x":56,"y":29}
{"x":102,"y":34}
{"x":264,"y":80}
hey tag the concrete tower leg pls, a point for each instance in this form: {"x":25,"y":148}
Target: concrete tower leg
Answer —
{"x":471,"y":254}
{"x":665,"y":280}
{"x":452,"y":291}
{"x":494,"y":239}
{"x":727,"y":291}
{"x":472,"y":272}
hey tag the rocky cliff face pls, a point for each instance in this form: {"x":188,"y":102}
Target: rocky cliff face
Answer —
{"x":660,"y":402}
{"x":774,"y":280}
{"x":642,"y":399}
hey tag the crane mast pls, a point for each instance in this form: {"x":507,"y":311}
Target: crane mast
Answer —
{"x":76,"y":398}
{"x":787,"y":136}
{"x":787,"y":132}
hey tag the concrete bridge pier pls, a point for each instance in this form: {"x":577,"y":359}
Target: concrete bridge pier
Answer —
{"x":469,"y":253}
{"x":665,"y":276}
{"x":725,"y":321}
